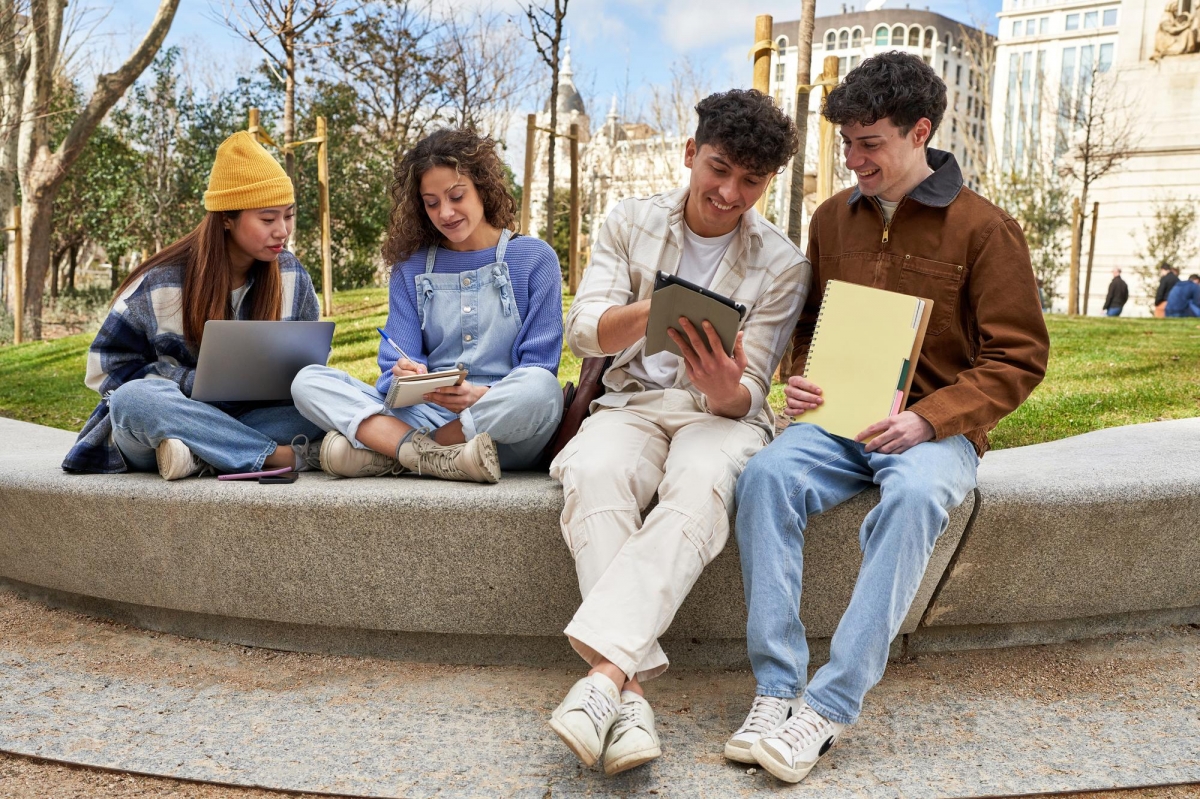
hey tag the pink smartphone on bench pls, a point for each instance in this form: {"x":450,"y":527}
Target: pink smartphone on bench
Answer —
{"x":254,"y":475}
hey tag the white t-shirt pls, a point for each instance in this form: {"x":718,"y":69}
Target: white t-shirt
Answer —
{"x":699,"y":262}
{"x":888,"y":209}
{"x":236,"y":296}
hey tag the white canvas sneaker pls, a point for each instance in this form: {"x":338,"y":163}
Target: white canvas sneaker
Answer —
{"x":790,"y":752}
{"x":586,"y":715}
{"x":633,"y":740}
{"x":176,"y":461}
{"x":767,"y":714}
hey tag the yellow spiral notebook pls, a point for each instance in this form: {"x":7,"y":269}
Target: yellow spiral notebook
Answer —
{"x":863,"y":355}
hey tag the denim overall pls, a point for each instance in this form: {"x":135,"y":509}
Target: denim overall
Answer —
{"x":469,"y":320}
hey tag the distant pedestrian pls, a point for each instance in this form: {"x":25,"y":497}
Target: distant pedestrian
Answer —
{"x":1118,"y":295}
{"x":1184,"y":299}
{"x":1166,"y":281}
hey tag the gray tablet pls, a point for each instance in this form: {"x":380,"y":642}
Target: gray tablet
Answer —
{"x":248,"y":360}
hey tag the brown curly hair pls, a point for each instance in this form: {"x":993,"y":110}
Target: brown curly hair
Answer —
{"x":467,"y":153}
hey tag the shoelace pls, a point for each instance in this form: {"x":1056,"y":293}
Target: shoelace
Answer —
{"x":765,"y":714}
{"x":437,"y":459}
{"x":802,"y":729}
{"x":309,"y":454}
{"x":630,"y":717}
{"x":598,"y":705}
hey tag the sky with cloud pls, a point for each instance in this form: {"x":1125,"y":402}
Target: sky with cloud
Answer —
{"x":615,"y":43}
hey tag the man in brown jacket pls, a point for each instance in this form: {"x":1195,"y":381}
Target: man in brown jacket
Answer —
{"x":909,"y":226}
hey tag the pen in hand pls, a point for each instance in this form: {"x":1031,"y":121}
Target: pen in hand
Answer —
{"x":396,"y":347}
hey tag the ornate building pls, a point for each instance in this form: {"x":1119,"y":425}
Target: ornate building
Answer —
{"x":1144,"y":55}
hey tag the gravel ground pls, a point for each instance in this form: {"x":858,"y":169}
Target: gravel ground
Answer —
{"x":1043,"y":674}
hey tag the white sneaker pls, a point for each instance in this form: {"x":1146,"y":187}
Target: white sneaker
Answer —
{"x":767,"y":714}
{"x":633,"y":740}
{"x":176,"y":461}
{"x":790,"y":752}
{"x":341,"y":458}
{"x":586,"y":715}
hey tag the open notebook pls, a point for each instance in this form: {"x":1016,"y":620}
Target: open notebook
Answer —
{"x":863,"y":355}
{"x":411,"y":390}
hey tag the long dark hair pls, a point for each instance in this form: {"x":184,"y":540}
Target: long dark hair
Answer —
{"x":467,"y":153}
{"x":206,"y":277}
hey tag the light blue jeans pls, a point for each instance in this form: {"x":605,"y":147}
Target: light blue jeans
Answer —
{"x":232,"y":436}
{"x":807,"y":471}
{"x":520,"y":412}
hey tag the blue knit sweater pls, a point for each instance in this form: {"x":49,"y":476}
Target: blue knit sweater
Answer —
{"x":537,"y":288}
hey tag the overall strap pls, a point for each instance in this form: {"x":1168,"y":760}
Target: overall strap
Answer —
{"x":430,"y":257}
{"x":505,"y":235}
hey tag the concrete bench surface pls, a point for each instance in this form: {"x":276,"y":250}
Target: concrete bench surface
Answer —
{"x":1094,"y":526}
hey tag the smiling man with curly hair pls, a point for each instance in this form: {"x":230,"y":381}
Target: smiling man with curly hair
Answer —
{"x":679,"y":428}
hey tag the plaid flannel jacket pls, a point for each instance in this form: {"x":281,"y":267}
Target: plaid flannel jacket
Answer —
{"x":142,"y":337}
{"x":762,"y":269}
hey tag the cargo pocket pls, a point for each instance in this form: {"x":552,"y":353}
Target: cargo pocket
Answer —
{"x":933,"y":280}
{"x":709,"y":528}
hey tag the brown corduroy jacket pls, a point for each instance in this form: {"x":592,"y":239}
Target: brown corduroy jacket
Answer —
{"x":987,"y":346}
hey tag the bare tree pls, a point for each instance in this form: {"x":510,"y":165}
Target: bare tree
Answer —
{"x":15,"y":48}
{"x":1099,"y":121}
{"x":393,"y":57}
{"x":278,"y":28}
{"x":485,"y":75}
{"x":41,"y":170}
{"x":546,"y":32}
{"x":804,"y":37}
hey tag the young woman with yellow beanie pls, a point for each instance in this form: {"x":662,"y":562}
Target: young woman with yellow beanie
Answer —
{"x":143,"y":360}
{"x":465,"y":294}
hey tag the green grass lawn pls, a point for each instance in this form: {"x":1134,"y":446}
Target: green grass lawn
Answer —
{"x":1103,"y":373}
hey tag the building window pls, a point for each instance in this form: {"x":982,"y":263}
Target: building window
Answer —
{"x":958,"y":75}
{"x":1017,"y":28}
{"x":970,"y":103}
{"x":843,"y":40}
{"x":856,"y":38}
{"x":1072,"y":22}
{"x":779,"y":73}
{"x":1044,"y":25}
{"x":830,"y":40}
{"x":853,"y":61}
{"x":1110,"y":17}
{"x":1091,"y":19}
{"x":841,"y":67}
{"x":781,"y":43}
{"x":930,"y":38}
{"x":914,"y":37}
{"x":898,"y":36}
{"x":881,"y":36}
{"x":949,"y":44}
{"x":1106,"y":57}
{"x":1030,"y":27}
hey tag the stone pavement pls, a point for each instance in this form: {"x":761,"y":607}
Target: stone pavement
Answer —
{"x":1121,"y":711}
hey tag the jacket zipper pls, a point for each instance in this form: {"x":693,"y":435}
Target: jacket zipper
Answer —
{"x":886,"y":224}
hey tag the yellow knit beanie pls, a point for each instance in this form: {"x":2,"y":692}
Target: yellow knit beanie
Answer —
{"x":245,"y":176}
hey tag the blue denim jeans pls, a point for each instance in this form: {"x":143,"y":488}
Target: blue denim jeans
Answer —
{"x":806,"y":471}
{"x":1114,"y":311}
{"x":232,"y":437}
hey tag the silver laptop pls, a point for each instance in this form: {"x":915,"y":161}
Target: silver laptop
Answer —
{"x":253,"y":360}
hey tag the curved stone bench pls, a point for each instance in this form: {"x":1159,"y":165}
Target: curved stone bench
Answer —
{"x":450,"y":572}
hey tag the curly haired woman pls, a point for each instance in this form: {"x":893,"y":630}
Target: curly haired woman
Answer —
{"x":467,"y":294}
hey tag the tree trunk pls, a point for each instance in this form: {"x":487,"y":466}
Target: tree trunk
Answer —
{"x":808,"y":10}
{"x":289,"y":92}
{"x":37,"y":219}
{"x":41,"y":170}
{"x":553,"y":140}
{"x":73,"y":261}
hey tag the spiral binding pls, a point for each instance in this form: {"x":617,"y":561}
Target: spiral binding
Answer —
{"x":817,"y":328}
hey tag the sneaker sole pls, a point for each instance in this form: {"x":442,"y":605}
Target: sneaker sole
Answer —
{"x":739,"y":754}
{"x":574,"y":744}
{"x":323,"y":454}
{"x":775,"y":767}
{"x":631,"y":760}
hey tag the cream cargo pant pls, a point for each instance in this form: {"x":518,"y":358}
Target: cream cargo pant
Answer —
{"x":635,"y":572}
